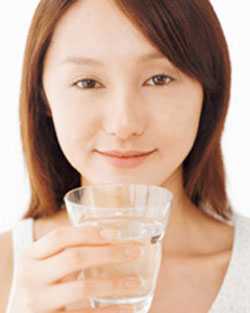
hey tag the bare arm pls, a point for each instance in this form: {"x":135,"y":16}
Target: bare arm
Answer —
{"x":6,"y":269}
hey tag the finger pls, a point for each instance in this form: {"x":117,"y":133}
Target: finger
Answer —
{"x":118,"y":286}
{"x":126,"y":308}
{"x":63,"y":295}
{"x":66,"y":236}
{"x":58,"y":296}
{"x":76,"y":259}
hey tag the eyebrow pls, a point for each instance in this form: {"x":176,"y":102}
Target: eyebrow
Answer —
{"x":79,"y":60}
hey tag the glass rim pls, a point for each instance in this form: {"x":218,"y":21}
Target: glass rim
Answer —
{"x":66,"y":196}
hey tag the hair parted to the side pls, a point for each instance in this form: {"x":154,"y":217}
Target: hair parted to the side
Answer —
{"x":189,"y":34}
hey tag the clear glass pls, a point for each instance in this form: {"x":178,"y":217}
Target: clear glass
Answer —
{"x":126,"y":212}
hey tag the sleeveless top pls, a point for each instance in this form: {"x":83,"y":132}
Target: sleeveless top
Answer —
{"x":234,"y":292}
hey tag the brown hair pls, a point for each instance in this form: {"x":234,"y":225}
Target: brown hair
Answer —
{"x":189,"y":34}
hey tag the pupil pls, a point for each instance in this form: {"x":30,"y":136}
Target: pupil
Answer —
{"x":161,"y":80}
{"x":90,"y":83}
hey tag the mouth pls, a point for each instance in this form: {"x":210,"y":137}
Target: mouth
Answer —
{"x":125,"y":154}
{"x":125,"y":161}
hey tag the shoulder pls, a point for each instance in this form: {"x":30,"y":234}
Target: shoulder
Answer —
{"x":242,"y":235}
{"x":242,"y":224}
{"x":242,"y":220}
{"x":6,"y":266}
{"x":241,"y":251}
{"x":236,"y":290}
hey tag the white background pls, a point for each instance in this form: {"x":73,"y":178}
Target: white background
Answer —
{"x":15,"y":17}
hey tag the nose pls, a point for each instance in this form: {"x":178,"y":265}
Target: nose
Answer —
{"x":125,"y":119}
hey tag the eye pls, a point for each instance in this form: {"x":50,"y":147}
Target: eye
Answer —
{"x":88,"y":83}
{"x":85,"y":83}
{"x":162,"y":79}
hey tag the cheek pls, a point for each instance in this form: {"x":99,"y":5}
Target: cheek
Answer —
{"x":175,"y":141}
{"x":183,"y":135}
{"x":74,"y":120}
{"x":75,"y":132}
{"x":76,"y":123}
{"x":177,"y":127}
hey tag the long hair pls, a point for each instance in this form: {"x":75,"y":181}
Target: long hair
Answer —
{"x":190,"y":35}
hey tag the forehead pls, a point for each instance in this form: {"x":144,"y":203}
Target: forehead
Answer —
{"x":99,"y":29}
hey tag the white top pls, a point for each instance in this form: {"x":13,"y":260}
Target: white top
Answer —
{"x":234,"y":293}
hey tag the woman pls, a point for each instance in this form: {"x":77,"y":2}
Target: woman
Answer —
{"x":150,"y":75}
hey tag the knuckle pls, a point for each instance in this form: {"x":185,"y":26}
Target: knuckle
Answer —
{"x":75,"y":257}
{"x":26,"y":285}
{"x":25,"y":266}
{"x":118,"y":253}
{"x":27,"y":252}
{"x":80,"y":289}
{"x":26,"y":282}
{"x":30,"y":305}
{"x":26,"y":256}
{"x":30,"y":301}
{"x":24,"y":277}
{"x":58,"y":234}
{"x":115,"y":284}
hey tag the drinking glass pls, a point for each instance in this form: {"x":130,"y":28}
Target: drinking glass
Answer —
{"x":124,"y":213}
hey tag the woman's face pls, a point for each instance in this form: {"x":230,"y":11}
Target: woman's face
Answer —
{"x":118,"y":101}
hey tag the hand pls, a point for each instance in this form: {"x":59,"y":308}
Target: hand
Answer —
{"x":44,"y":270}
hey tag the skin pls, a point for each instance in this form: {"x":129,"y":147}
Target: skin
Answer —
{"x":127,"y":107}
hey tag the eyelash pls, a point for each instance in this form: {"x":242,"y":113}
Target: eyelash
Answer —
{"x":92,"y":80}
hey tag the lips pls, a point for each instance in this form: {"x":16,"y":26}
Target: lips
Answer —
{"x":125,"y":155}
{"x":124,"y":162}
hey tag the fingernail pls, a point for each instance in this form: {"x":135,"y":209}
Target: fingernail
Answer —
{"x":133,"y":251}
{"x":126,"y":308}
{"x":110,"y":234}
{"x":132,"y":282}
